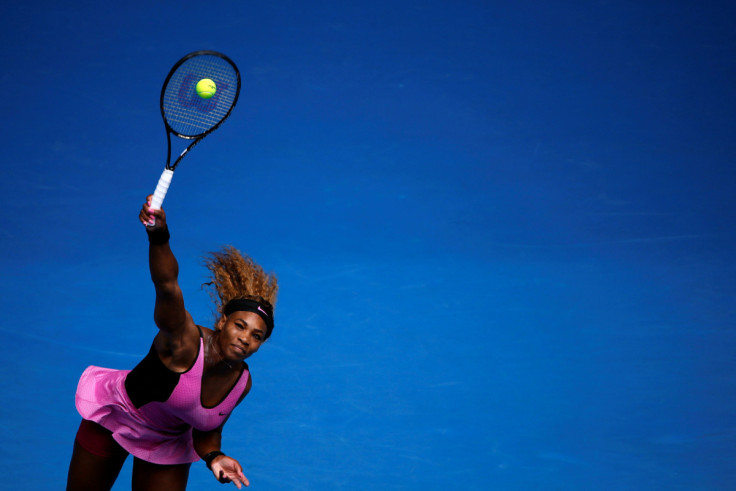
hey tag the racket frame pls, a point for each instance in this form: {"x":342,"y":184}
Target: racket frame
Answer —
{"x":197,"y":138}
{"x":168,"y":173}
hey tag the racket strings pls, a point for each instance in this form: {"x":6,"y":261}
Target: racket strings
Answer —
{"x":189,"y":115}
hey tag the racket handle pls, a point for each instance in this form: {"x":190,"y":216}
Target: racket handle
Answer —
{"x":161,"y":188}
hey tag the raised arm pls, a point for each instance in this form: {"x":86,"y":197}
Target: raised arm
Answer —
{"x":169,"y":313}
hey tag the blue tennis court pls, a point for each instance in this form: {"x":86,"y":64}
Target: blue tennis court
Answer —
{"x":503,"y":233}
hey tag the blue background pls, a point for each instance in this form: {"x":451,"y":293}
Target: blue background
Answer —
{"x":503,"y":233}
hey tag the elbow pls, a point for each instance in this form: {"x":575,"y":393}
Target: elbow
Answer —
{"x":166,"y":289}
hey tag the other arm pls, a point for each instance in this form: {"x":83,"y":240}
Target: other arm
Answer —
{"x":208,"y":446}
{"x":225,"y":469}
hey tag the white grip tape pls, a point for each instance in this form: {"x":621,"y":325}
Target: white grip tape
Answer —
{"x":161,"y":188}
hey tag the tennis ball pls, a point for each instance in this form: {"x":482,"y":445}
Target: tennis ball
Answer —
{"x":206,"y":88}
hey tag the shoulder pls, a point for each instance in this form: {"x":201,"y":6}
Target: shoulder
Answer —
{"x":179,"y":350}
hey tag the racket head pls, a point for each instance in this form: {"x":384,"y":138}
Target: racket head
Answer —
{"x":184,"y":112}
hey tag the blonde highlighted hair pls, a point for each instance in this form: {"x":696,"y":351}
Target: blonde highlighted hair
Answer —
{"x":235,"y":275}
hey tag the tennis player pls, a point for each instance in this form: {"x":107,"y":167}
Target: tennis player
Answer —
{"x":169,"y":411}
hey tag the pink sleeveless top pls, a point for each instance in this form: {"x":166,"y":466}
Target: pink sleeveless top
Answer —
{"x":157,"y":432}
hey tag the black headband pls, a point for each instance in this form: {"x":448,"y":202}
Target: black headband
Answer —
{"x":264,"y":310}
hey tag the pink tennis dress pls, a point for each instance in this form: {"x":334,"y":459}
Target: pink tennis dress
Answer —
{"x":151,"y":415}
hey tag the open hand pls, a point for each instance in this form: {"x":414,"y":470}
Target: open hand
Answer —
{"x":227,"y":469}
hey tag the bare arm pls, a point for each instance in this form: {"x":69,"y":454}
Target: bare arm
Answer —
{"x":169,"y":313}
{"x":224,"y":468}
{"x":207,"y":441}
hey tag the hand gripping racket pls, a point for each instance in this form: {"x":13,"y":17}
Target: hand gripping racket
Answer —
{"x":188,"y":115}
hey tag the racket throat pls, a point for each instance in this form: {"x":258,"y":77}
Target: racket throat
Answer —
{"x":168,"y":152}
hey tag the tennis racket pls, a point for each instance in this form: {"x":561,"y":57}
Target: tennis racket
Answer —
{"x":187,"y":115}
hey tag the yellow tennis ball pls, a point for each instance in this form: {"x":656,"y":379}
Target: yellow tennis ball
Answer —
{"x":206,"y":88}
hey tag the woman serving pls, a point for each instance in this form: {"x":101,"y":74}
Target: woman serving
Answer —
{"x":169,"y":411}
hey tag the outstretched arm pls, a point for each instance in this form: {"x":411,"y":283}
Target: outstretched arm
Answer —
{"x":169,"y":313}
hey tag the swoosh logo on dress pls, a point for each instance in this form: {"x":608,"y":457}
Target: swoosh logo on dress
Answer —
{"x":224,"y":414}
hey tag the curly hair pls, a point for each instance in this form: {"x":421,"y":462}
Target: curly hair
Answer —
{"x":235,"y":275}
